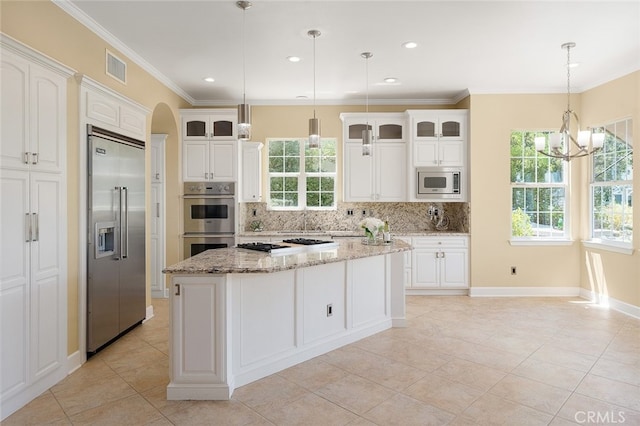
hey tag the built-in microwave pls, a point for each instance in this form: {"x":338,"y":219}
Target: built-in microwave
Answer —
{"x":438,"y":183}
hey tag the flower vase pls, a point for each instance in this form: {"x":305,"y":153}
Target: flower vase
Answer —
{"x":371,"y":237}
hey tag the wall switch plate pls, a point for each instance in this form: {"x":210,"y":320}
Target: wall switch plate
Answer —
{"x":513,"y":270}
{"x":329,"y":309}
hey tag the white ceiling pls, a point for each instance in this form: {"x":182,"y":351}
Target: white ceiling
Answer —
{"x":474,"y":46}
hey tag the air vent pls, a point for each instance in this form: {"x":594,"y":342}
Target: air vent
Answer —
{"x":116,"y":68}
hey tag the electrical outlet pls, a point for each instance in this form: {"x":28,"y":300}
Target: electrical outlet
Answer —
{"x":513,"y":270}
{"x":364,"y":212}
{"x":255,"y":212}
{"x":329,"y":309}
{"x":349,"y":212}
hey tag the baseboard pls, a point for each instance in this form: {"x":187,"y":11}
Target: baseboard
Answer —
{"x":436,"y":291}
{"x":75,"y":361}
{"x":149,"y":314}
{"x":603,"y":300}
{"x":524,"y":291}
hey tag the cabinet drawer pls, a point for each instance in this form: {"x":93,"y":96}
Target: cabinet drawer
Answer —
{"x":440,"y":242}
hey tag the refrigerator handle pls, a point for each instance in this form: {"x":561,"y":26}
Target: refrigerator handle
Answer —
{"x":119,"y":244}
{"x":36,"y":226}
{"x":27,"y":228}
{"x":125,"y":251}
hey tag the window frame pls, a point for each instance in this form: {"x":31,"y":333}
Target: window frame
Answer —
{"x":565,"y":238}
{"x":302,"y":176}
{"x":616,"y":245}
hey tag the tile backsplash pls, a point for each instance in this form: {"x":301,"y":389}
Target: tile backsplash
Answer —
{"x":402,"y":217}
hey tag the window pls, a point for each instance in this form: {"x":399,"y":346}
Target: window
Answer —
{"x":538,"y":191}
{"x":301,"y":177}
{"x":612,"y":186}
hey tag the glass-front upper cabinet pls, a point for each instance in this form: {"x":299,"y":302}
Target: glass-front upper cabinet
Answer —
{"x":438,"y":125}
{"x":387,"y":127}
{"x":209,"y":124}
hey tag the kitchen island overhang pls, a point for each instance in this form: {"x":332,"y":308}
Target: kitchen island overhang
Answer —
{"x":238,"y":316}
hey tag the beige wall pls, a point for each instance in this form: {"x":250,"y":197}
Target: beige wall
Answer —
{"x":44,"y":27}
{"x":492,"y":119}
{"x":612,"y":274}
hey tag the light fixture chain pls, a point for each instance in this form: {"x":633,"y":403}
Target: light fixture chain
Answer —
{"x":568,"y":78}
{"x":314,"y":75}
{"x":244,"y":59}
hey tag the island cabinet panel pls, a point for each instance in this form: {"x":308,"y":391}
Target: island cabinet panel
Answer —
{"x":263,"y":316}
{"x":322,"y":290}
{"x":369,"y":292}
{"x":198,"y":332}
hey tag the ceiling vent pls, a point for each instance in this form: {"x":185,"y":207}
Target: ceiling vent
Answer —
{"x":116,"y":68}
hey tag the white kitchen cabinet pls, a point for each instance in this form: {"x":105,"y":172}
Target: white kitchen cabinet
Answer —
{"x":157,"y":157}
{"x":210,"y":161}
{"x":33,"y":251}
{"x":251,"y":184}
{"x":33,"y":122}
{"x":440,"y":262}
{"x":209,"y":145}
{"x":407,"y":260}
{"x":209,"y":124}
{"x":386,"y":127}
{"x":198,"y":331}
{"x":438,"y":137}
{"x":381,"y":176}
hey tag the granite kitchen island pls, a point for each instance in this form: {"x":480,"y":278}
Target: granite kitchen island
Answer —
{"x":239,"y":315}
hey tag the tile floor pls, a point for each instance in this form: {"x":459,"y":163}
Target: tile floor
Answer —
{"x":461,"y":361}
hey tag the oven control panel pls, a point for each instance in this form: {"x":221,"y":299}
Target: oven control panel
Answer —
{"x":209,"y":188}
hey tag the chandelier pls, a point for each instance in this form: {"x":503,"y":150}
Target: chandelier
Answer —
{"x":563,"y":144}
{"x":244,"y":109}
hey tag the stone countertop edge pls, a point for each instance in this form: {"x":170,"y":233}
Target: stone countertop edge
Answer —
{"x":243,"y":261}
{"x":314,"y":234}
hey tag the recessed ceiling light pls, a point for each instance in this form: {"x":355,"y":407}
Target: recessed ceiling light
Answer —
{"x":410,"y":45}
{"x":293,"y":58}
{"x":302,"y":97}
{"x":209,"y":79}
{"x":574,"y":64}
{"x":390,"y":80}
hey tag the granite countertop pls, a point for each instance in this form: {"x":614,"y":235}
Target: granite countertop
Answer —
{"x":235,"y":260}
{"x":318,"y":233}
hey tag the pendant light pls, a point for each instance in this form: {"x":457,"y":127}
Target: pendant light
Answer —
{"x":367,"y":135}
{"x":314,"y":123}
{"x":563,"y":142}
{"x":244,"y":109}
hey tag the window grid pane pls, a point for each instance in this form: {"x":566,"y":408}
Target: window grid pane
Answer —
{"x":538,"y":204}
{"x":612,"y":185}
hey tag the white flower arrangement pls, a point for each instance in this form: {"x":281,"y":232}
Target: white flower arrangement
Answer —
{"x":372,"y":226}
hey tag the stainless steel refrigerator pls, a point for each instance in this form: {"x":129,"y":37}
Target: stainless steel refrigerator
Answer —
{"x":116,"y":236}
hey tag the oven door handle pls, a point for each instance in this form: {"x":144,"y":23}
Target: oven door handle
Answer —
{"x":208,"y":235}
{"x":200,"y":197}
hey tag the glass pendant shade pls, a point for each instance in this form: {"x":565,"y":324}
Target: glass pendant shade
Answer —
{"x":314,"y":132}
{"x":244,"y":122}
{"x":597,"y":140}
{"x":367,"y":137}
{"x":540,"y":141}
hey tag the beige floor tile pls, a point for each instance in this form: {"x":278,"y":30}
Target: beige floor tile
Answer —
{"x":392,"y":374}
{"x":91,"y":394}
{"x":148,"y":377}
{"x":135,"y":359}
{"x":271,"y":393}
{"x":564,"y":357}
{"x":310,"y":410}
{"x":402,"y":410}
{"x":494,"y":358}
{"x":313,"y":374}
{"x":132,"y":410}
{"x":92,"y":370}
{"x":471,"y":374}
{"x":627,"y":373}
{"x":355,"y":393}
{"x":611,"y":391}
{"x":408,"y":353}
{"x":443,"y":393}
{"x":158,"y":398}
{"x":559,"y":421}
{"x":551,"y":374}
{"x":216,"y":413}
{"x":493,"y":410}
{"x":531,"y":393}
{"x":42,"y":410}
{"x":585,"y":410}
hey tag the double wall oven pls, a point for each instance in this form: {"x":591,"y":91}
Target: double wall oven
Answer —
{"x":209,"y":216}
